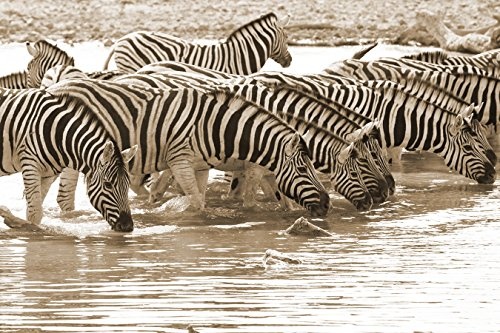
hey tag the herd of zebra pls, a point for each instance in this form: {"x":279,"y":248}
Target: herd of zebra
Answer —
{"x":172,"y":110}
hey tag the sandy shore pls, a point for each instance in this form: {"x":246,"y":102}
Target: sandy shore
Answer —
{"x":319,"y":22}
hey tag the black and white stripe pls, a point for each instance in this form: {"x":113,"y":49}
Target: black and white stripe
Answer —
{"x":44,"y":134}
{"x":245,"y":51}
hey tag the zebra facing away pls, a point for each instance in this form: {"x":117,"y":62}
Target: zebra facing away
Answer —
{"x":245,"y":51}
{"x":43,"y":134}
{"x":45,"y":55}
{"x":189,"y":131}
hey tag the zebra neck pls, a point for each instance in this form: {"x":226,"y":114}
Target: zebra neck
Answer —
{"x":244,"y":55}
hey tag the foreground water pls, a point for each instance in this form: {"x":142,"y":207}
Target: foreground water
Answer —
{"x":427,"y":260}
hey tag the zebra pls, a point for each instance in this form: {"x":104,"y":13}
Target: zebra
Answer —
{"x":45,"y":55}
{"x":469,"y":83}
{"x":43,"y":134}
{"x":18,"y":80}
{"x":188,"y":131}
{"x":378,"y":187}
{"x":245,"y":51}
{"x":411,"y":122}
{"x":296,"y":107}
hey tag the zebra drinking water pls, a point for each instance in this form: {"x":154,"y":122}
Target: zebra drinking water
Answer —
{"x":178,"y":128}
{"x":43,"y":134}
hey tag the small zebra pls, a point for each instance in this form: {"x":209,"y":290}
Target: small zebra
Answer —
{"x":45,"y":55}
{"x":44,"y":134}
{"x":178,"y":127}
{"x":17,"y":80}
{"x":245,"y":51}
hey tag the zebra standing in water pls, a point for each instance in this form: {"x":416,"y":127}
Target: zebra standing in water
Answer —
{"x":245,"y":51}
{"x":43,"y":134}
{"x":188,"y":131}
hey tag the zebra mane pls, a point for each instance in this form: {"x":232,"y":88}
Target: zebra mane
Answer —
{"x":17,"y":80}
{"x":417,"y":78}
{"x":396,"y":89}
{"x":226,"y":91}
{"x":81,"y":107}
{"x":428,"y":56}
{"x":269,"y":16}
{"x":46,"y":47}
{"x":323,"y":101}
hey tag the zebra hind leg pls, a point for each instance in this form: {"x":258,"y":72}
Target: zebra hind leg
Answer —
{"x":33,"y":194}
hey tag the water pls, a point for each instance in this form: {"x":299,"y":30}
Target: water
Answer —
{"x":427,"y":260}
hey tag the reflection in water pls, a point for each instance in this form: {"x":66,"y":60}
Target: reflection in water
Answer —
{"x":427,"y":260}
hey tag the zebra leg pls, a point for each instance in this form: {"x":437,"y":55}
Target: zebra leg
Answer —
{"x":184,"y":174}
{"x":253,"y":176}
{"x":202,"y":181}
{"x":394,"y":155}
{"x":270,"y":188}
{"x":32,"y":191}
{"x":237,"y":185}
{"x":45,"y":185}
{"x":137,"y":184}
{"x":159,"y":184}
{"x":67,"y":187}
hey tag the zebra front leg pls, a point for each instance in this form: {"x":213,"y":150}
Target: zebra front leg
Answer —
{"x":202,"y":181}
{"x":270,"y":188}
{"x":184,"y":174}
{"x":68,"y":181}
{"x":45,"y":185}
{"x":33,"y":194}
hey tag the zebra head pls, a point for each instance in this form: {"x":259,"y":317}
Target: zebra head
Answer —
{"x":347,"y":178}
{"x":279,"y":45}
{"x":108,"y":185}
{"x":298,"y":180}
{"x":466,"y":154}
{"x":371,"y":138}
{"x":472,"y":112}
{"x":45,"y":56}
{"x":372,"y":176}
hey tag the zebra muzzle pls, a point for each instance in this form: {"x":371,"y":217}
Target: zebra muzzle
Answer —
{"x":124,"y":223}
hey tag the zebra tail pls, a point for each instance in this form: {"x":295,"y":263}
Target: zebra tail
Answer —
{"x":110,"y":54}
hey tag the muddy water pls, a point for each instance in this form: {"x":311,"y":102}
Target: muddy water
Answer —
{"x":427,"y":260}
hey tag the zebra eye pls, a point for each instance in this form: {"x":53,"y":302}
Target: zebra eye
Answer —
{"x":302,"y":169}
{"x":108,"y":185}
{"x":467,"y":147}
{"x":354,"y":174}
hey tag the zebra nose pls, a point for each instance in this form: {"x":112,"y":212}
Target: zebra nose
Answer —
{"x":124,"y":223}
{"x":322,"y":208}
{"x":364,"y":204}
{"x":381,"y":192}
{"x":489,"y":175}
{"x":391,"y":184}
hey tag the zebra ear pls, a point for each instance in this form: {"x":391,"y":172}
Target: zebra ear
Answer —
{"x":344,"y":154}
{"x":466,"y":113}
{"x":107,"y":152}
{"x":128,"y":154}
{"x":459,"y":121}
{"x":31,"y":50}
{"x":351,"y":137}
{"x":292,"y":146}
{"x":478,"y":108}
{"x":285,"y":20}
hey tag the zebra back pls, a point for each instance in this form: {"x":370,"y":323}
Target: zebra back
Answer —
{"x":245,"y":51}
{"x":17,"y":80}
